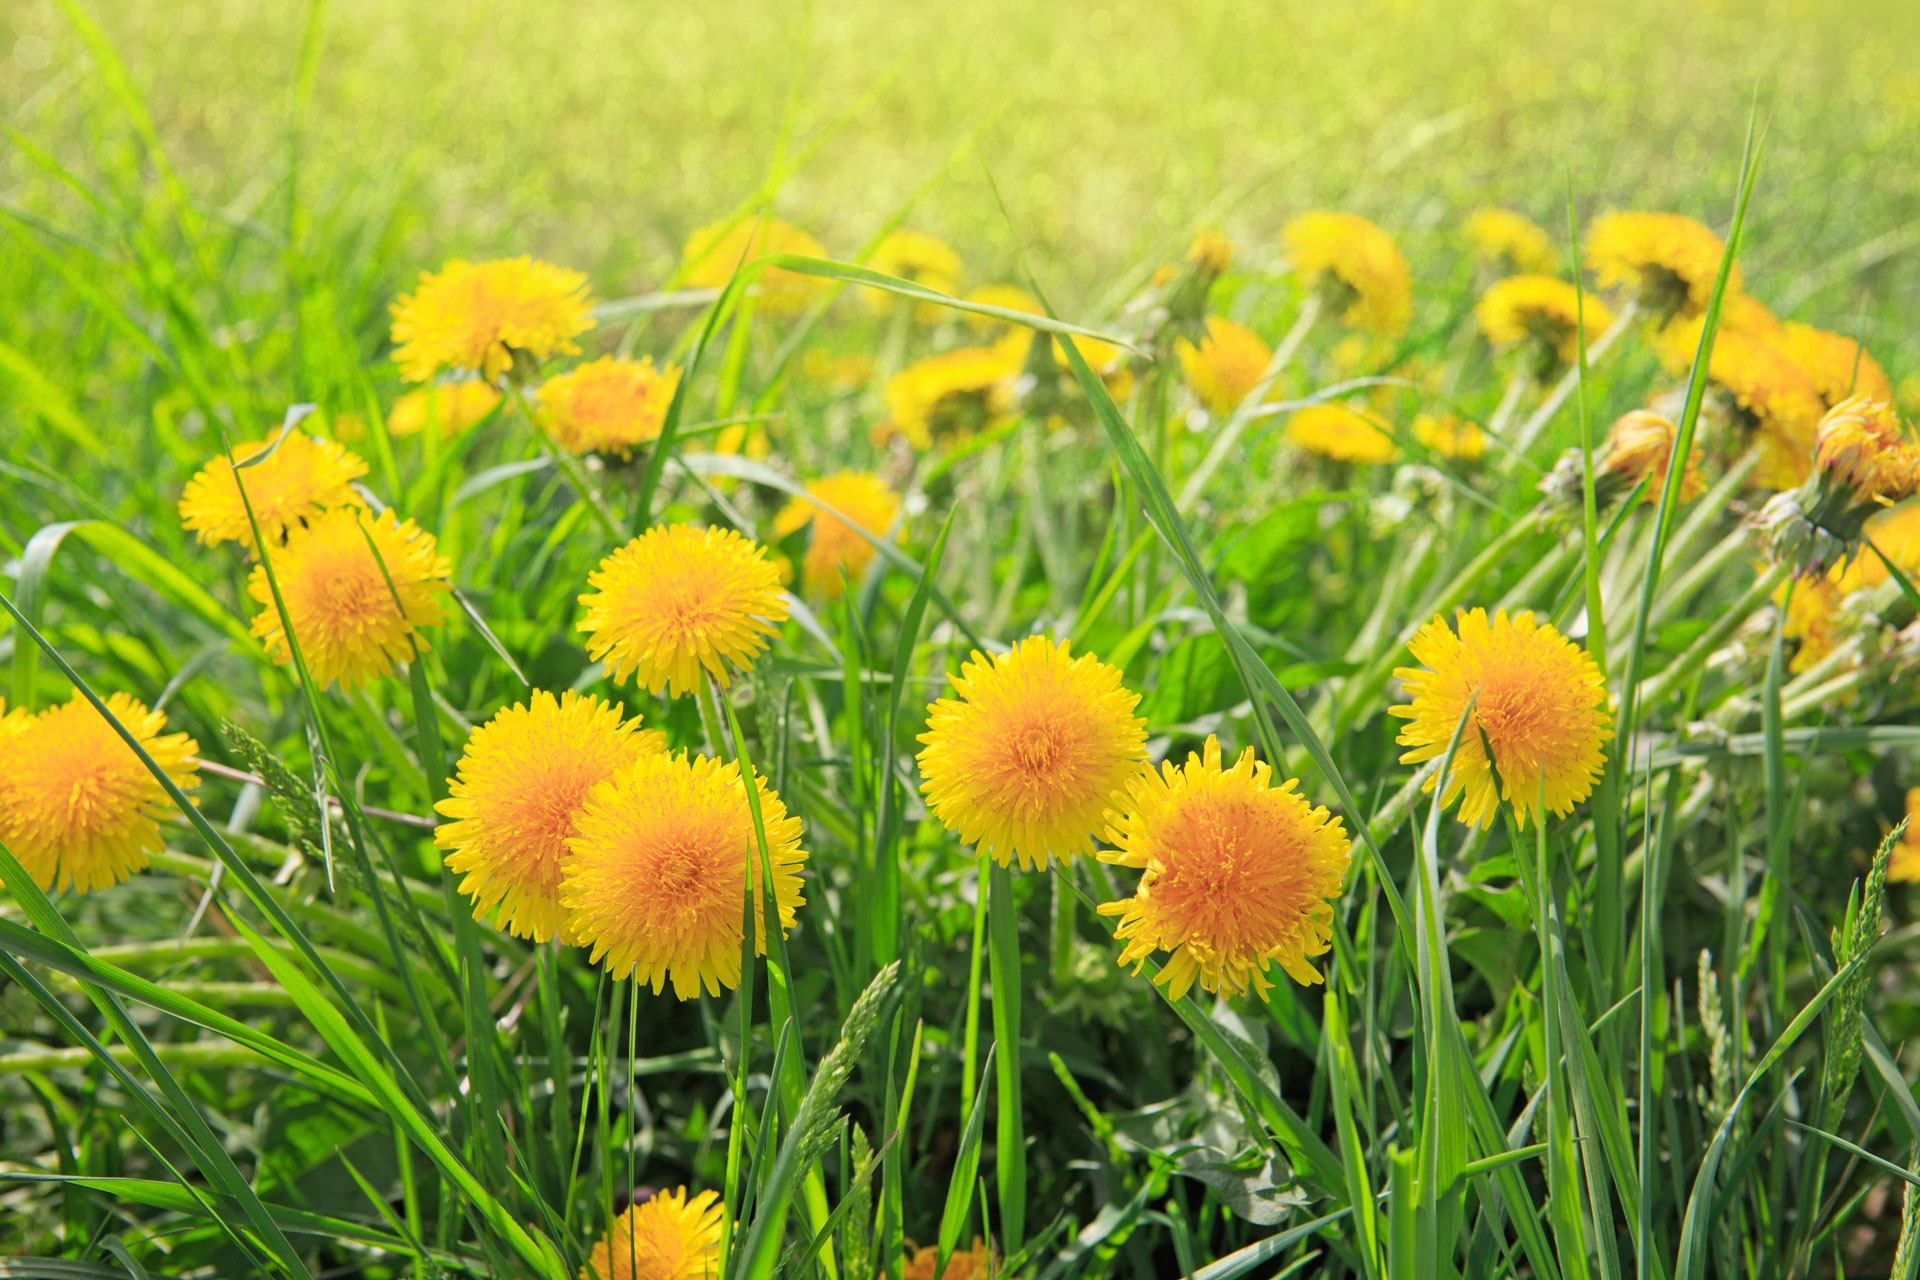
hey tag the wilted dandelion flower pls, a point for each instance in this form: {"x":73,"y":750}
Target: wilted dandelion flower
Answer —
{"x":1450,"y":436}
{"x":607,"y":405}
{"x":834,"y":546}
{"x":300,"y":479}
{"x":1509,"y":241}
{"x":1838,"y":366}
{"x":77,"y":807}
{"x":1336,"y":432}
{"x":1904,"y":863}
{"x":924,"y":259}
{"x":1238,"y":874}
{"x":669,"y":1237}
{"x":1358,"y":266}
{"x":945,"y":399}
{"x":454,"y":406}
{"x":1540,"y":315}
{"x":662,"y":855}
{"x":681,"y":599}
{"x":520,"y":783}
{"x":1027,"y":759}
{"x":476,"y":316}
{"x":353,"y":614}
{"x":717,"y":249}
{"x":1538,"y":702}
{"x":1226,"y":366}
{"x":976,"y":1262}
{"x":1667,"y":261}
{"x":1859,"y":445}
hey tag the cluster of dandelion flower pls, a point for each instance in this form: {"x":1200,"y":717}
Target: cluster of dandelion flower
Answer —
{"x":1637,"y":453}
{"x":1862,"y":463}
{"x":1767,"y":395}
{"x":1848,"y":602}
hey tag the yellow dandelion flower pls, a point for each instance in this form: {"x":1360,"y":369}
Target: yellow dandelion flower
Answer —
{"x":77,"y":806}
{"x":1027,"y":759}
{"x":1669,"y":262}
{"x":1238,"y":874}
{"x":354,"y":615}
{"x":1210,"y":252}
{"x":1858,"y":444}
{"x":669,"y":1237}
{"x":520,"y":782}
{"x":1339,"y":433}
{"x":1509,"y":241}
{"x":1640,"y":447}
{"x":1815,"y":616}
{"x":1538,"y":702}
{"x":1838,"y":367}
{"x":1358,"y":262}
{"x":977,"y":1262}
{"x":1227,"y":365}
{"x":1904,"y":864}
{"x":454,"y":406}
{"x":1542,"y":313}
{"x":1008,"y":297}
{"x":475,"y":316}
{"x":863,"y":498}
{"x":1773,"y":395}
{"x":1450,"y":436}
{"x":924,"y":259}
{"x":681,"y":599}
{"x":841,"y":373}
{"x":300,"y":479}
{"x":607,"y":405}
{"x":715,"y":250}
{"x":945,"y":399}
{"x":662,"y":853}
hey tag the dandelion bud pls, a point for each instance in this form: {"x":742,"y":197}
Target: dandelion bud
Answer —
{"x":1858,"y":444}
{"x":1640,"y":447}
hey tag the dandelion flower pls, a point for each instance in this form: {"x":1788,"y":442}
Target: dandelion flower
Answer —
{"x":453,"y":406}
{"x":1336,"y":432}
{"x":1640,"y":447}
{"x":840,"y":373}
{"x":77,"y":806}
{"x":669,"y":1237}
{"x":924,"y":259}
{"x":1008,"y":297}
{"x":1538,"y":702}
{"x":948,"y":398}
{"x":680,"y":599}
{"x":1838,"y":367}
{"x":1904,"y":864}
{"x":1358,"y":264}
{"x":1029,"y":756}
{"x":1210,"y":253}
{"x":521,"y":781}
{"x":1227,"y":365}
{"x":1238,"y":874}
{"x":1818,"y":615}
{"x":1667,"y":261}
{"x":1770,"y":394}
{"x":836,"y":546}
{"x":1542,"y":315}
{"x":977,"y":1262}
{"x":717,"y":249}
{"x":353,"y":615}
{"x":607,"y":405}
{"x":1508,"y":241}
{"x":476,"y":316}
{"x":300,"y":479}
{"x":1860,"y":446}
{"x":1450,"y":436}
{"x":662,"y":855}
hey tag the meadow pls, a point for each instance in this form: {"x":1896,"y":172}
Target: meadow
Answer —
{"x":861,"y":640}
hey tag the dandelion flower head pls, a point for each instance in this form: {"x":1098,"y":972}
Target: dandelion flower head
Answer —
{"x":715,"y":250}
{"x":1542,"y":312}
{"x":669,"y":1237}
{"x":924,"y":259}
{"x":1340,"y":434}
{"x":301,"y":478}
{"x":1358,"y":262}
{"x":453,"y":406}
{"x":1509,"y":241}
{"x":834,"y":546}
{"x":1226,"y":366}
{"x":1669,"y":262}
{"x":607,"y":405}
{"x":1450,"y":436}
{"x":476,"y":316}
{"x":948,"y":398}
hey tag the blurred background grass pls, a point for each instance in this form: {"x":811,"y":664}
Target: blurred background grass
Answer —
{"x":600,"y":132}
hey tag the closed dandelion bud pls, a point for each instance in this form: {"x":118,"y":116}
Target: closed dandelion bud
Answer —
{"x":1640,"y":447}
{"x":1862,"y":463}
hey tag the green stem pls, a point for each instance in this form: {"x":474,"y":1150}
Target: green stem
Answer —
{"x":1010,"y":1159}
{"x":1659,"y":687}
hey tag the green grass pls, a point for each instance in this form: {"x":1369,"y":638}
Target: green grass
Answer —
{"x":1664,"y":1037}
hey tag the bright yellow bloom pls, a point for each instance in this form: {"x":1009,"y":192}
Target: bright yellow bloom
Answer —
{"x":1227,"y":365}
{"x":1751,"y":365}
{"x":662,"y":855}
{"x":302,"y":478}
{"x":77,"y":806}
{"x":1669,"y":262}
{"x":715,"y":250}
{"x":863,"y":498}
{"x":1904,"y":864}
{"x":978,"y":1262}
{"x":353,"y":614}
{"x":607,"y":405}
{"x":666,"y":1238}
{"x":1639,"y":447}
{"x":680,"y":599}
{"x":926,"y":260}
{"x":945,"y":399}
{"x":1337,"y":432}
{"x":1508,"y":241}
{"x":1238,"y":874}
{"x":521,"y":781}
{"x":1211,"y":252}
{"x":1838,"y":367}
{"x":1033,"y":751}
{"x":1858,"y":444}
{"x":1359,"y":262}
{"x":1538,"y":701}
{"x":1450,"y":436}
{"x":1815,"y":611}
{"x":1008,"y":297}
{"x":1542,"y":311}
{"x":475,"y":316}
{"x":455,"y":406}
